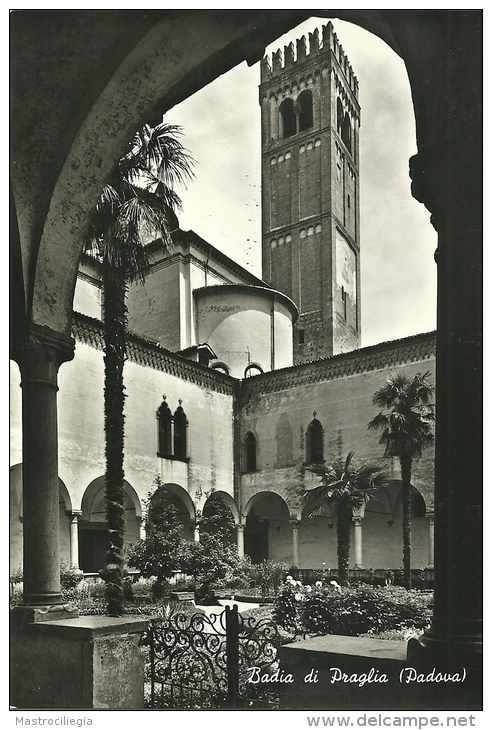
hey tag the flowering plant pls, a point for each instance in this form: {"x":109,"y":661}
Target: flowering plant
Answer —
{"x":351,"y":611}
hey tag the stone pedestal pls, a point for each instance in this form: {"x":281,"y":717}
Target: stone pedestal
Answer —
{"x":357,"y":673}
{"x":78,"y":663}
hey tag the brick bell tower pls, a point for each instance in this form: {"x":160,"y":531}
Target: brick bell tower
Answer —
{"x":310,"y":119}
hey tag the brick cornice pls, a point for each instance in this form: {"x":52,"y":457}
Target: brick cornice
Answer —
{"x":149,"y":354}
{"x":376,"y":357}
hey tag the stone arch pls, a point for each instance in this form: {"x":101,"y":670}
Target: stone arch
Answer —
{"x":16,"y":518}
{"x":175,"y":68}
{"x":267,"y":534}
{"x":185,"y":507}
{"x":230,"y":502}
{"x":177,"y":491}
{"x":93,"y":526}
{"x":382,"y":532}
{"x":317,"y":533}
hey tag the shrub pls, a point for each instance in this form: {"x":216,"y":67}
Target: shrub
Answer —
{"x":268,"y":576}
{"x":70,"y":576}
{"x":160,"y":554}
{"x":214,"y":565}
{"x":350,"y":611}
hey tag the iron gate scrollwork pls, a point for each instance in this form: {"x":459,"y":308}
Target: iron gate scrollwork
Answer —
{"x":206,"y":661}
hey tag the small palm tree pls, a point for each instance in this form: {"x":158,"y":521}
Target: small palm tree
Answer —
{"x":406,"y":430}
{"x":348,"y":486}
{"x":136,"y":205}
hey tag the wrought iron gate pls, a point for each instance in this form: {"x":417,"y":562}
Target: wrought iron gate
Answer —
{"x":215,"y":661}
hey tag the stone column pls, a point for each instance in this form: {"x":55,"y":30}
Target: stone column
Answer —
{"x":74,"y":536}
{"x":240,"y":540}
{"x":196,"y":533}
{"x":447,"y":178}
{"x":358,"y":541}
{"x":430,"y":520}
{"x":295,"y":543}
{"x":39,"y":357}
{"x":141,"y":528}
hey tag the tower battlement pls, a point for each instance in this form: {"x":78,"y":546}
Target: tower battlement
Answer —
{"x":294,"y":57}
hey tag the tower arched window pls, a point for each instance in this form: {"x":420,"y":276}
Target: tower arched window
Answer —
{"x":340,"y":116}
{"x":250,"y":452}
{"x":165,"y":421}
{"x":305,"y":104}
{"x":288,"y":117}
{"x":346,"y":133}
{"x":314,"y":442}
{"x":180,"y":426}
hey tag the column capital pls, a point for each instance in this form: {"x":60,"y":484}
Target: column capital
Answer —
{"x":74,"y":513}
{"x":40,"y":353}
{"x":240,"y":527}
{"x":463,"y":175}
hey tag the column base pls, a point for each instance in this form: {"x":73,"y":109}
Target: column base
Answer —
{"x":23,"y":614}
{"x":431,"y":649}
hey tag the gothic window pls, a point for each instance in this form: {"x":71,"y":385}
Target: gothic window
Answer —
{"x":180,"y":426}
{"x":249,"y":452}
{"x":288,"y":117}
{"x":172,"y":438}
{"x":305,"y":103}
{"x":165,"y":420}
{"x":314,"y":442}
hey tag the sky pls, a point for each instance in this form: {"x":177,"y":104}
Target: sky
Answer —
{"x":221,"y":129}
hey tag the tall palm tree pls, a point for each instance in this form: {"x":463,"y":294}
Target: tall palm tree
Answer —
{"x":406,"y":430}
{"x":348,"y":486}
{"x":136,"y":205}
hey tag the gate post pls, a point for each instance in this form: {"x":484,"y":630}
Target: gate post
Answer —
{"x":232,"y":650}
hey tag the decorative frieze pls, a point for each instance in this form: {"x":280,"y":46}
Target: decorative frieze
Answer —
{"x":149,"y":354}
{"x":376,"y":357}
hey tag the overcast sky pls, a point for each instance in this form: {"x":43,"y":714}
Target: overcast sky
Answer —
{"x":221,"y":126}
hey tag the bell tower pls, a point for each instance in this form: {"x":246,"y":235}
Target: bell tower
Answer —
{"x":310,"y":118}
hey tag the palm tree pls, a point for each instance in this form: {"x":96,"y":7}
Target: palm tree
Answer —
{"x":407,"y":429}
{"x":136,"y":205}
{"x":348,"y":486}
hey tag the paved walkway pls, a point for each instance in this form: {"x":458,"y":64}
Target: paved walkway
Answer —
{"x":242,"y":606}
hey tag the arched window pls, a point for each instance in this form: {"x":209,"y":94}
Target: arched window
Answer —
{"x":249,"y":453}
{"x":314,"y":442}
{"x":252,"y":370}
{"x":165,"y":421}
{"x":288,"y":117}
{"x":339,"y":117}
{"x":347,"y":132}
{"x":221,"y":367}
{"x":172,"y":438}
{"x":180,"y":426}
{"x":305,"y":103}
